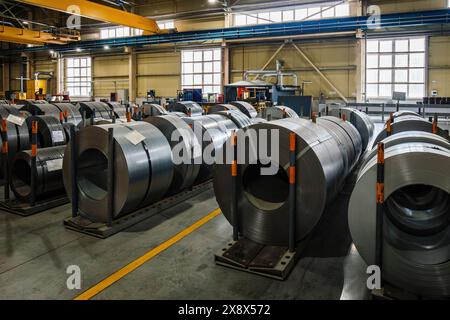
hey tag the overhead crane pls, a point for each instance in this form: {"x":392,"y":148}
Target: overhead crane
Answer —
{"x":33,"y":37}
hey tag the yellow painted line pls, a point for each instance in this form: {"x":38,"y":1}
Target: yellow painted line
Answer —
{"x":116,"y":276}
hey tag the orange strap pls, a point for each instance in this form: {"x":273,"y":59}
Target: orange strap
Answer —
{"x":344,"y":117}
{"x":292,"y":138}
{"x":234,"y":139}
{"x":435,"y":127}
{"x":33,"y":150}
{"x":389,"y":126}
{"x":234,"y":168}
{"x":380,"y":192}
{"x":61,"y":116}
{"x":4,"y":125}
{"x":128,"y":116}
{"x":380,"y":154}
{"x":34,"y":127}
{"x":5,"y":147}
{"x":314,"y":117}
{"x":292,"y":175}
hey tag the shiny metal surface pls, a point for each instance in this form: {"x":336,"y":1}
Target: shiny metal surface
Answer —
{"x":49,"y":180}
{"x":73,"y":114}
{"x":403,"y":113}
{"x":279,"y":112}
{"x":189,"y":108}
{"x":102,"y":110}
{"x":143,"y":172}
{"x":416,"y":242}
{"x":263,"y":199}
{"x":179,"y":134}
{"x":51,"y":132}
{"x":18,"y":136}
{"x":360,"y":120}
{"x":407,"y":123}
{"x":222,"y":107}
{"x":41,"y":108}
{"x":239,"y":119}
{"x":246,"y":108}
{"x":212,"y":131}
{"x":120,"y":111}
{"x":153,"y":110}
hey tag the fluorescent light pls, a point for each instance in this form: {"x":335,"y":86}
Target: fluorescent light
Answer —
{"x":52,"y":52}
{"x":106,"y":47}
{"x":78,"y":49}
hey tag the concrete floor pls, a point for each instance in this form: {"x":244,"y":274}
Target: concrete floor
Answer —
{"x":35,"y":252}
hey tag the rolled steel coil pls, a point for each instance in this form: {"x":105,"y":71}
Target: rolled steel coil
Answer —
{"x":347,"y":137}
{"x":18,"y":137}
{"x":185,"y":149}
{"x":263,"y":200}
{"x":360,"y":120}
{"x":212,"y":131}
{"x":49,"y":180}
{"x":239,"y":119}
{"x":258,"y":120}
{"x":246,"y":108}
{"x":142,"y":172}
{"x":120,"y":111}
{"x":100,"y":109}
{"x":403,"y":113}
{"x":279,"y":112}
{"x":189,"y":108}
{"x":407,"y":123}
{"x":42,"y":108}
{"x":51,"y":132}
{"x":221,"y":108}
{"x":153,"y":110}
{"x":73,"y":113}
{"x":416,"y":211}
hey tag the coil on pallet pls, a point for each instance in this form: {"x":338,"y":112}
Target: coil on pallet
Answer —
{"x":142,"y":172}
{"x":408,"y":123}
{"x":153,"y":110}
{"x":360,"y":120}
{"x":189,"y":108}
{"x":101,"y":109}
{"x":221,"y":108}
{"x":119,"y":109}
{"x":246,"y":108}
{"x":41,"y":108}
{"x":264,"y":210}
{"x":51,"y":132}
{"x":186,"y":150}
{"x":72,"y":112}
{"x":416,"y":210}
{"x":49,"y":180}
{"x":279,"y":112}
{"x":18,"y":137}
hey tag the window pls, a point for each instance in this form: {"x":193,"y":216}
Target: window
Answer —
{"x":202,"y":69}
{"x":78,"y":76}
{"x":396,"y":65}
{"x":119,"y":32}
{"x":296,"y":14}
{"x":166,"y":25}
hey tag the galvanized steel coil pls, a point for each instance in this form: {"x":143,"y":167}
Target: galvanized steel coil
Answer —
{"x":407,"y":123}
{"x":279,"y":112}
{"x":246,"y":108}
{"x":51,"y":132}
{"x":416,"y":242}
{"x":153,"y":110}
{"x":143,"y":171}
{"x":222,"y":107}
{"x":18,"y":137}
{"x":73,"y":113}
{"x":239,"y":119}
{"x":41,"y":108}
{"x":101,"y":109}
{"x":263,"y":199}
{"x":403,"y":113}
{"x":49,"y":180}
{"x":120,"y":111}
{"x":360,"y":120}
{"x":189,"y":108}
{"x":185,"y":147}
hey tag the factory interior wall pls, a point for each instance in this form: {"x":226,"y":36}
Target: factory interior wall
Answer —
{"x":439,"y":65}
{"x":389,"y":6}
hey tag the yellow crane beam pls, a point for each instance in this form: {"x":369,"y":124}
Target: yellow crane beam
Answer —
{"x":98,"y":12}
{"x":27,"y":36}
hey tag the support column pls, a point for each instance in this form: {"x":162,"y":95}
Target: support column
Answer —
{"x":226,"y":64}
{"x":132,"y":74}
{"x":6,"y":77}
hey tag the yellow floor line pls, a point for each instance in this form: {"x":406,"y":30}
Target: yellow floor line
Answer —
{"x":116,"y":276}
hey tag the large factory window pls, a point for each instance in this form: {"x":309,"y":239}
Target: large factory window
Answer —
{"x":78,"y":76}
{"x":396,"y":65}
{"x":202,"y":69}
{"x":297,"y":14}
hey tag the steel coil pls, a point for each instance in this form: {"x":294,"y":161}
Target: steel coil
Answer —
{"x":51,"y":132}
{"x":407,"y":123}
{"x":239,"y":119}
{"x":222,"y":107}
{"x":18,"y":137}
{"x":246,"y":108}
{"x":153,"y":110}
{"x":100,"y":109}
{"x":360,"y":120}
{"x":258,"y":120}
{"x":189,"y":108}
{"x":416,"y":211}
{"x":263,"y":199}
{"x":42,"y":108}
{"x":120,"y":111}
{"x":403,"y":113}
{"x":179,"y":134}
{"x":212,"y":131}
{"x":279,"y":112}
{"x":73,"y":114}
{"x":49,"y":180}
{"x":142,"y":172}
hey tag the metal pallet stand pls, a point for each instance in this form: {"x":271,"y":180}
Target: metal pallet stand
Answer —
{"x":34,"y":205}
{"x":79,"y":223}
{"x":245,"y":255}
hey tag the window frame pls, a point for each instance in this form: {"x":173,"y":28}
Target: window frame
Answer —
{"x":75,"y":83}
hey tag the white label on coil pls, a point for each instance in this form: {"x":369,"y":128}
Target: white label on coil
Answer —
{"x":58,"y":136}
{"x":135,"y":137}
{"x":54,"y":165}
{"x":15,"y":119}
